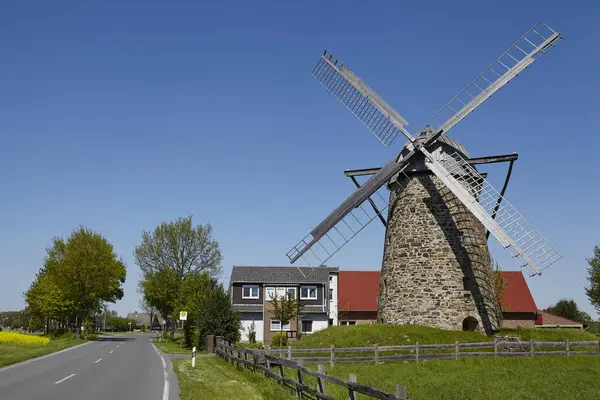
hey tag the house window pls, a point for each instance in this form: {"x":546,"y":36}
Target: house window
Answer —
{"x":351,"y":322}
{"x":270,"y":293}
{"x":280,"y":292}
{"x":291,"y":293}
{"x":308,"y":293}
{"x":276,"y":326}
{"x":331,"y":294}
{"x":250,"y":292}
{"x":306,"y":326}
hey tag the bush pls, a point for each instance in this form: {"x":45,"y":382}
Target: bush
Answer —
{"x":275,"y":341}
{"x":144,"y":328}
{"x":255,"y":345}
{"x":20,"y":338}
{"x":252,"y":333}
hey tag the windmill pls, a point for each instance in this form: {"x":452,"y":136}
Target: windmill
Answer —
{"x":436,"y":265}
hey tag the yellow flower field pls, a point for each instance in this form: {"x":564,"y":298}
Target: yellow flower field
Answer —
{"x":20,"y":338}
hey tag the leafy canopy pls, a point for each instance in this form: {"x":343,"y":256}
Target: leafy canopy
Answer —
{"x":569,"y":309}
{"x":593,"y":291}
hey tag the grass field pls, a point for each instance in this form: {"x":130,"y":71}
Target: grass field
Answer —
{"x":214,"y":379}
{"x":13,"y":353}
{"x":546,"y":378}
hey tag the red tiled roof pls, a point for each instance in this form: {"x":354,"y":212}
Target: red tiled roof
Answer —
{"x":516,"y":296}
{"x":358,"y":290}
{"x":545,"y":318}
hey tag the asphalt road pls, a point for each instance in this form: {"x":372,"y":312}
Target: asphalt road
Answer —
{"x":120,"y":367}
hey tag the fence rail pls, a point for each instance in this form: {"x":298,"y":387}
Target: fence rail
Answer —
{"x":273,"y":367}
{"x":530,"y":348}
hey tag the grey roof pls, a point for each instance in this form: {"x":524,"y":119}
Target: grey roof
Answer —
{"x":275,"y":274}
{"x":249,"y":307}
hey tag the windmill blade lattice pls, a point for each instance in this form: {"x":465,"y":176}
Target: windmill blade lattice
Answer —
{"x":316,"y":253}
{"x":536,"y":42}
{"x":377,"y":115}
{"x":509,"y":227}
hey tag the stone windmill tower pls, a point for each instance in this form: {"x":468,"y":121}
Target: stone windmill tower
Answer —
{"x":436,"y":266}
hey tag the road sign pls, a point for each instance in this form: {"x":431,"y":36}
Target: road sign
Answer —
{"x":183,"y":315}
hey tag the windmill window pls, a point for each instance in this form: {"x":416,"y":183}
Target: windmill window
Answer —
{"x":466,"y":283}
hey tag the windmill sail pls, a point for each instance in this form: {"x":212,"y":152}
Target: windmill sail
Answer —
{"x":508,"y":226}
{"x":316,"y":250}
{"x":536,"y":42}
{"x":386,"y":123}
{"x":377,"y":115}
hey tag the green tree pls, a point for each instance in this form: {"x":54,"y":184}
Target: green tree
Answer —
{"x":87,"y":270}
{"x":569,"y":309}
{"x":168,"y":255}
{"x":47,"y":300}
{"x":285,"y":309}
{"x":213,"y":314}
{"x":593,"y":291}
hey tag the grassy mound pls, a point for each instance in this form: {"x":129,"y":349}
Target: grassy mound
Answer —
{"x":396,"y":335}
{"x":385,"y":335}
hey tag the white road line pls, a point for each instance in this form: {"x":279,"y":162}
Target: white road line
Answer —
{"x":111,"y":352}
{"x":121,"y":343}
{"x":165,"y":395}
{"x":97,"y":361}
{"x":64,"y":379}
{"x":42,"y":357}
{"x":118,"y":346}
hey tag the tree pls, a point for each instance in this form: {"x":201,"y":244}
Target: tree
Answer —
{"x":593,"y":291}
{"x":213,"y":314}
{"x":47,"y":300}
{"x":87,"y":271}
{"x":284,"y":309}
{"x":568,"y":309}
{"x":168,"y":255}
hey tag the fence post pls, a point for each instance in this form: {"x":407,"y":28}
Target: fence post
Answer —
{"x":495,"y":347}
{"x":567,"y":347}
{"x":401,"y":392}
{"x":289,"y":352}
{"x":456,"y":349}
{"x":351,"y":394}
{"x":246,"y":366}
{"x":331,"y":358}
{"x":320,"y":382}
{"x":194,"y":357}
{"x":531,"y":348}
{"x":300,"y":382}
{"x":376,"y":354}
{"x":417,"y":351}
{"x":255,"y":360}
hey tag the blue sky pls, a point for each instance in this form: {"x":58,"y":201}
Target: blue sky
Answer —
{"x":123,"y":115}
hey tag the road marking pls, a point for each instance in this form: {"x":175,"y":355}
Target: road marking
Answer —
{"x":165,"y":395}
{"x":118,"y":346}
{"x":121,"y":343}
{"x":97,"y":361}
{"x":42,"y":357}
{"x":64,"y":379}
{"x":111,"y":352}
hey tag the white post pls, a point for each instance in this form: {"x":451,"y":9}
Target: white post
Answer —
{"x":194,"y":357}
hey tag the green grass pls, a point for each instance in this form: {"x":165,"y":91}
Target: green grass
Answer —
{"x":214,"y":379}
{"x":13,"y":353}
{"x":397,"y":335}
{"x":479,"y":378}
{"x":172,"y":347}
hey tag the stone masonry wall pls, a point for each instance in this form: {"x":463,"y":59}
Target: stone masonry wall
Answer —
{"x":432,"y":242}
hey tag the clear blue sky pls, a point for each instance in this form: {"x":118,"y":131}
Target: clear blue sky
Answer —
{"x":122,"y":115}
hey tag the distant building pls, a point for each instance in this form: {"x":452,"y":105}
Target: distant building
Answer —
{"x":547,"y":320}
{"x":252,"y":287}
{"x":357,"y":298}
{"x":143,"y":319}
{"x":518,"y":307}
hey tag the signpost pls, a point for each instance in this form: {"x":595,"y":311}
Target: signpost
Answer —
{"x":182,"y":318}
{"x":194,"y":357}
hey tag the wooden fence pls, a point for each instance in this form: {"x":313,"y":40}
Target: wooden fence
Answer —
{"x":418,"y":351}
{"x":273,"y":367}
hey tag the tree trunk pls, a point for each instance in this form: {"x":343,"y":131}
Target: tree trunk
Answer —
{"x":172,"y":330}
{"x":78,"y":321}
